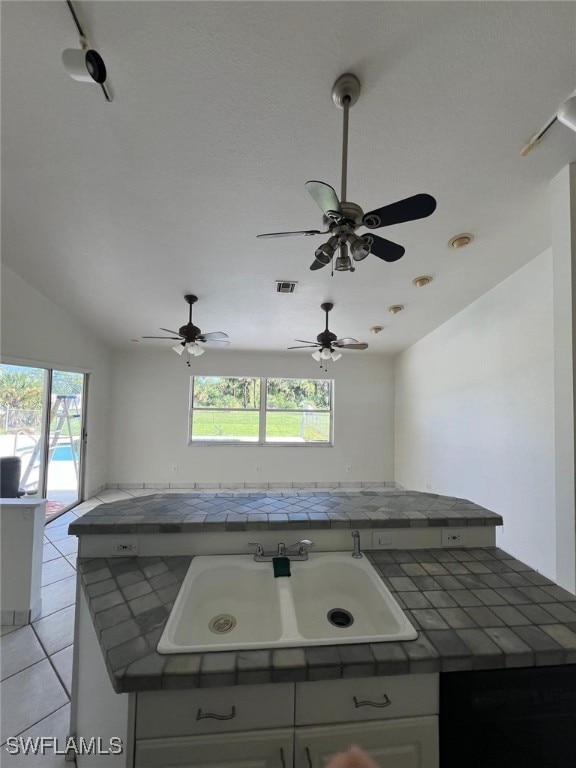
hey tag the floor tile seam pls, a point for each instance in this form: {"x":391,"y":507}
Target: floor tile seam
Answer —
{"x":62,"y":554}
{"x":57,"y":581}
{"x":56,"y":610}
{"x":32,"y":725}
{"x":49,"y":658}
{"x":29,"y":666}
{"x":57,"y":673}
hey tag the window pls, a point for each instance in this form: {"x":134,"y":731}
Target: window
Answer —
{"x":259,"y":411}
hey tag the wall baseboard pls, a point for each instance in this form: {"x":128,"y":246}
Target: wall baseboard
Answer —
{"x":245,"y":486}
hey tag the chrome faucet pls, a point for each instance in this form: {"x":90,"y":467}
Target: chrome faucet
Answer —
{"x":302,"y":545}
{"x":356,"y":552}
{"x":282,"y":551}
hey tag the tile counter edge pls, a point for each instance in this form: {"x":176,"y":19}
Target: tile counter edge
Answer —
{"x":474,"y":608}
{"x":246,"y":511}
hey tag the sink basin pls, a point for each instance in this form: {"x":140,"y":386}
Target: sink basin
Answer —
{"x":232,"y":602}
{"x":338,"y":598}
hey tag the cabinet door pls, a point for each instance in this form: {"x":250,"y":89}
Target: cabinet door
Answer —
{"x":407,"y":743}
{"x":252,"y":749}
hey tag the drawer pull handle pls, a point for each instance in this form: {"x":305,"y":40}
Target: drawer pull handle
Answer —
{"x":385,"y":703}
{"x":308,"y":758}
{"x":201,"y":715}
{"x":282,"y":760}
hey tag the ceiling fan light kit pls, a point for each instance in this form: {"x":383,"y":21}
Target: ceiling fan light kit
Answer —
{"x":327,"y":346}
{"x":341,"y":218}
{"x":190,"y":337}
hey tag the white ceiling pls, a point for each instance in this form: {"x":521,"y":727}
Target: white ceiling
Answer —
{"x":222,"y":111}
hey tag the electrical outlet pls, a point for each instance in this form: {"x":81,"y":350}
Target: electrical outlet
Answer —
{"x":453,"y":537}
{"x":124,"y":547}
{"x":382,"y":539}
{"x":258,"y":468}
{"x":174,"y":469}
{"x":428,"y":486}
{"x":348,"y":468}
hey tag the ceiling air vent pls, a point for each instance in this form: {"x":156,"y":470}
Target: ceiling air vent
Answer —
{"x":285,"y":286}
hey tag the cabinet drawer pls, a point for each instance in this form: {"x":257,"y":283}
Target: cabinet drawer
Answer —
{"x":368,"y":698}
{"x":254,"y":749}
{"x":214,"y":710}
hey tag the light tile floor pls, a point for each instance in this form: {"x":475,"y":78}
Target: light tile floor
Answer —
{"x":36,"y":660}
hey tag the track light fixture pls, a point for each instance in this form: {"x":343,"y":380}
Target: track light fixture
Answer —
{"x":565,"y":115}
{"x":84,"y":64}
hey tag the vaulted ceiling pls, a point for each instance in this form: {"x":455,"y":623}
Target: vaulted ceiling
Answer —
{"x":223,"y":110}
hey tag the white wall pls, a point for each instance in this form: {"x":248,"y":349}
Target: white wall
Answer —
{"x":475,"y":411}
{"x":150,"y":421}
{"x":37,"y":332}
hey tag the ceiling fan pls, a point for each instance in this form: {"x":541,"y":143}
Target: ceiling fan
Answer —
{"x":326,"y":344}
{"x":342,"y":218}
{"x":190,"y":336}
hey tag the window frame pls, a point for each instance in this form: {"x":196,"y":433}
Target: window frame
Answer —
{"x":262,"y":411}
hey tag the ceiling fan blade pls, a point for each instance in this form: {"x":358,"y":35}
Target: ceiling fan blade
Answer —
{"x":344,"y":342}
{"x":317,"y":264}
{"x":304,"y":341}
{"x":326,"y":198}
{"x":304,"y":346}
{"x":209,"y":342}
{"x":409,"y":209}
{"x":176,"y":333}
{"x":359,"y":345}
{"x":214,"y":336}
{"x":174,"y":338}
{"x":384,"y":249}
{"x":305,"y":232}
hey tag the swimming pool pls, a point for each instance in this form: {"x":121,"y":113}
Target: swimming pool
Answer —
{"x":63,"y":453}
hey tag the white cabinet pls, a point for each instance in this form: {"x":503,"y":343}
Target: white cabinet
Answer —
{"x":21,"y":540}
{"x":411,"y":742}
{"x":252,"y":749}
{"x":214,"y":710}
{"x":290,"y":725}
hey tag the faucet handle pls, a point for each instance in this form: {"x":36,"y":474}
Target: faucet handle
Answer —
{"x":259,"y":548}
{"x":304,"y":545}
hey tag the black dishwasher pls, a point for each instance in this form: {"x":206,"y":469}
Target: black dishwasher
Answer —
{"x":509,"y":718}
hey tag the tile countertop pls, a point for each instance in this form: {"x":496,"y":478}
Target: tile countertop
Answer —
{"x":241,"y":511}
{"x":475,"y":608}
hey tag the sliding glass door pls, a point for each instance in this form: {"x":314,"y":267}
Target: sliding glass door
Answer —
{"x":41,"y":413}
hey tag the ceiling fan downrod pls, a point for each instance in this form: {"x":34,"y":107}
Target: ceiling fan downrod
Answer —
{"x":345,"y":93}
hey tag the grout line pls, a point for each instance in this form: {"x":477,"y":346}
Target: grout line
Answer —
{"x":39,"y":721}
{"x":8,"y":677}
{"x":52,"y":663}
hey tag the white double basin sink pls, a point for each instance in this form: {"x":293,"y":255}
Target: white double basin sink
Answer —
{"x":232,"y":602}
